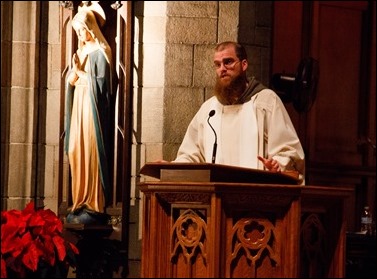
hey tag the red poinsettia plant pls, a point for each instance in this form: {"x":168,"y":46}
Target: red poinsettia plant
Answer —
{"x":31,"y":237}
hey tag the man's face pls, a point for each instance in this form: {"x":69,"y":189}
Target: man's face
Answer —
{"x":231,"y":75}
{"x":227,"y":65}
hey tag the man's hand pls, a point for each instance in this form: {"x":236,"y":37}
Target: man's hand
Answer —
{"x":270,"y":164}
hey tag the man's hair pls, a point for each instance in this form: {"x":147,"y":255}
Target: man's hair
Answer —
{"x":239,"y":49}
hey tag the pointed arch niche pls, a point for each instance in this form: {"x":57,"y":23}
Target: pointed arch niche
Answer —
{"x":118,"y":32}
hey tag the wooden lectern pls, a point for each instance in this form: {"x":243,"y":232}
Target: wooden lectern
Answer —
{"x":218,"y":221}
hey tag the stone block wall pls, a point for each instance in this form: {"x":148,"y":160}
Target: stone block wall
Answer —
{"x":30,"y":90}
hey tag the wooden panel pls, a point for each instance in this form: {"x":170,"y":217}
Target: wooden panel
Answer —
{"x":338,"y":150}
{"x":339,"y":132}
{"x":323,"y":231}
{"x":287,"y":46}
{"x":287,"y":40}
{"x":338,"y":49}
{"x":190,"y":240}
{"x":260,"y":233}
{"x":123,"y":108}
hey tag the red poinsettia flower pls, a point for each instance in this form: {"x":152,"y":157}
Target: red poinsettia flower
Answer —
{"x":31,"y":236}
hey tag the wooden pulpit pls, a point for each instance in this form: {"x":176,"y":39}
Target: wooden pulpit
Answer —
{"x":218,"y":221}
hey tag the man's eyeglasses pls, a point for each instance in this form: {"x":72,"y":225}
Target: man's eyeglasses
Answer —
{"x":229,"y":63}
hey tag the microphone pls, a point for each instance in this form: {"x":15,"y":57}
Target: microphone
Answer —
{"x":212,"y":113}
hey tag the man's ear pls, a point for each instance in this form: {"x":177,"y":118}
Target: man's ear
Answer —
{"x":245,"y":64}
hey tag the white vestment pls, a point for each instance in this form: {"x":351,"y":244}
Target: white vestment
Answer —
{"x":260,"y":126}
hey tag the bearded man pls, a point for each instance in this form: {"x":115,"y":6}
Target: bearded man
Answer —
{"x":249,"y":123}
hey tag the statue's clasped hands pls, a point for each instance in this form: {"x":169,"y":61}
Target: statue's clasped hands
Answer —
{"x":75,"y":62}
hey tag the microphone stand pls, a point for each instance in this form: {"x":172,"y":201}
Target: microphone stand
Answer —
{"x":212,"y":113}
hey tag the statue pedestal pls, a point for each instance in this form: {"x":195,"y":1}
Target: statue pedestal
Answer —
{"x":99,"y":256}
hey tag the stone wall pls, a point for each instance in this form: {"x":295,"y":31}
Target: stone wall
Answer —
{"x":30,"y":90}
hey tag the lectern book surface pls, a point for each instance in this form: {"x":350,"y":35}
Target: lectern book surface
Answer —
{"x":206,"y":172}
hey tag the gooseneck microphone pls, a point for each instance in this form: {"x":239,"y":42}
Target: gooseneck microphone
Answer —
{"x":212,"y":113}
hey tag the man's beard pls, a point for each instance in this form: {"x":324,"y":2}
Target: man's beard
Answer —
{"x":228,"y":93}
